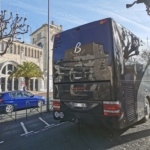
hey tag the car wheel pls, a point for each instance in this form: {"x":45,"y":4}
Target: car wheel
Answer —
{"x":147,"y":111}
{"x":56,"y":115}
{"x":9,"y":108}
{"x":40,"y":103}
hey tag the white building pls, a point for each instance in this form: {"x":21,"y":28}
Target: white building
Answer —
{"x":15,"y":55}
{"x":40,"y":38}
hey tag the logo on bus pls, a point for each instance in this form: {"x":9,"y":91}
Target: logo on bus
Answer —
{"x":77,"y":48}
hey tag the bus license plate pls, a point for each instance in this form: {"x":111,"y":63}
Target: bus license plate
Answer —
{"x":79,"y":104}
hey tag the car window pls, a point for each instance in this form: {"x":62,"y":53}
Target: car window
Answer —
{"x":27,"y":94}
{"x":12,"y":94}
{"x":18,"y":94}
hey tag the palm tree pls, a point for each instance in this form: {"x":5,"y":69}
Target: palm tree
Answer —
{"x":27,"y":70}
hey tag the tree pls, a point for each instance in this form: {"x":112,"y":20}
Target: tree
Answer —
{"x":145,"y":55}
{"x":146,"y":2}
{"x":27,"y":70}
{"x":10,"y":28}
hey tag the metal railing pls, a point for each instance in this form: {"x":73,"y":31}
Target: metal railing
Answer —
{"x":4,"y":114}
{"x":24,"y":113}
{"x":30,"y":109}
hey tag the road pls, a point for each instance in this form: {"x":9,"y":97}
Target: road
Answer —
{"x":41,"y":132}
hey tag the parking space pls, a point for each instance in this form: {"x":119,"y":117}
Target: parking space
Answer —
{"x":21,"y":114}
{"x":35,"y":124}
{"x":43,"y":132}
{"x":24,"y":123}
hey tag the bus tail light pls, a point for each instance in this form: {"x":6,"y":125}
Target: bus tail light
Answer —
{"x":111,"y":108}
{"x":56,"y":105}
{"x":103,"y":21}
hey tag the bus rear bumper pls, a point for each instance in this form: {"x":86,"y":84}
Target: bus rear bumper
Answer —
{"x":110,"y":122}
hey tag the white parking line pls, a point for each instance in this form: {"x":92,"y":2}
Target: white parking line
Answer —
{"x":1,"y":142}
{"x":25,"y":130}
{"x":47,"y":125}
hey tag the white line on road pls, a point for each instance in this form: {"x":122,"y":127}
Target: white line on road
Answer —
{"x":36,"y":132}
{"x":47,"y":125}
{"x":25,"y":130}
{"x":1,"y":142}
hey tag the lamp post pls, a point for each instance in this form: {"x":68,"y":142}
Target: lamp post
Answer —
{"x":48,"y":65}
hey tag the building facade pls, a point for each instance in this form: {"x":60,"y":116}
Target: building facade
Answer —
{"x":17,"y":54}
{"x":40,"y":38}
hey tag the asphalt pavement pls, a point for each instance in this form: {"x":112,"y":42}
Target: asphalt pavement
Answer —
{"x":39,"y":131}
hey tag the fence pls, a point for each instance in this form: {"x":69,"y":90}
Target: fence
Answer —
{"x":25,"y":112}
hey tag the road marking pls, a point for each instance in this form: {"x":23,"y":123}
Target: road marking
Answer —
{"x":42,"y":130}
{"x":47,"y":125}
{"x":25,"y":130}
{"x":1,"y":142}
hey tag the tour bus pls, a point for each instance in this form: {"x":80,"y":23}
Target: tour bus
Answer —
{"x":101,"y":74}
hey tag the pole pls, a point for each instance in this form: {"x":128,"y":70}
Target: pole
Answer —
{"x":0,"y":5}
{"x":48,"y":64}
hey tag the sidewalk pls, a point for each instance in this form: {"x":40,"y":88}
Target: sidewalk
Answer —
{"x":44,"y":94}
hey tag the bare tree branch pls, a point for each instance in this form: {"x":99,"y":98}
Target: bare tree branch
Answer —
{"x":146,"y":2}
{"x":10,"y":29}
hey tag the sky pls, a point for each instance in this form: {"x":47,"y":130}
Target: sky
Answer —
{"x":73,"y":13}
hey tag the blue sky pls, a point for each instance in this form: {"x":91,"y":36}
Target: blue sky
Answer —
{"x":72,"y":13}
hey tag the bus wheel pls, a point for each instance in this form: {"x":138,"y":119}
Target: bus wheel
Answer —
{"x":146,"y":111}
{"x":56,"y":115}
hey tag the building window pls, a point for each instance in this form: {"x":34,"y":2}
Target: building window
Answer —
{"x":1,"y":47}
{"x":37,"y":54}
{"x":4,"y":46}
{"x":40,"y":44}
{"x":25,"y":51}
{"x":10,"y":67}
{"x":33,"y":41}
{"x":34,"y":54}
{"x":22,"y":48}
{"x":38,"y":36}
{"x":14,"y":49}
{"x":29,"y":52}
{"x":18,"y":49}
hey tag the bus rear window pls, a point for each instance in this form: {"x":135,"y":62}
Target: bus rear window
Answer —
{"x":90,"y":63}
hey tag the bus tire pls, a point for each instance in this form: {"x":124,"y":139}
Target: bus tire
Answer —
{"x":55,"y":115}
{"x":146,"y":111}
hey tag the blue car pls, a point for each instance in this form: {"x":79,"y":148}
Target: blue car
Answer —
{"x":15,"y":100}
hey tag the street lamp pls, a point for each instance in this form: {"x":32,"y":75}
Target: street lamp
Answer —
{"x":47,"y":108}
{"x":146,"y":2}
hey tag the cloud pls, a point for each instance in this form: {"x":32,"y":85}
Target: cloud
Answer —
{"x":105,"y":12}
{"x":77,"y":12}
{"x":30,"y":7}
{"x":130,"y":21}
{"x":69,"y":18}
